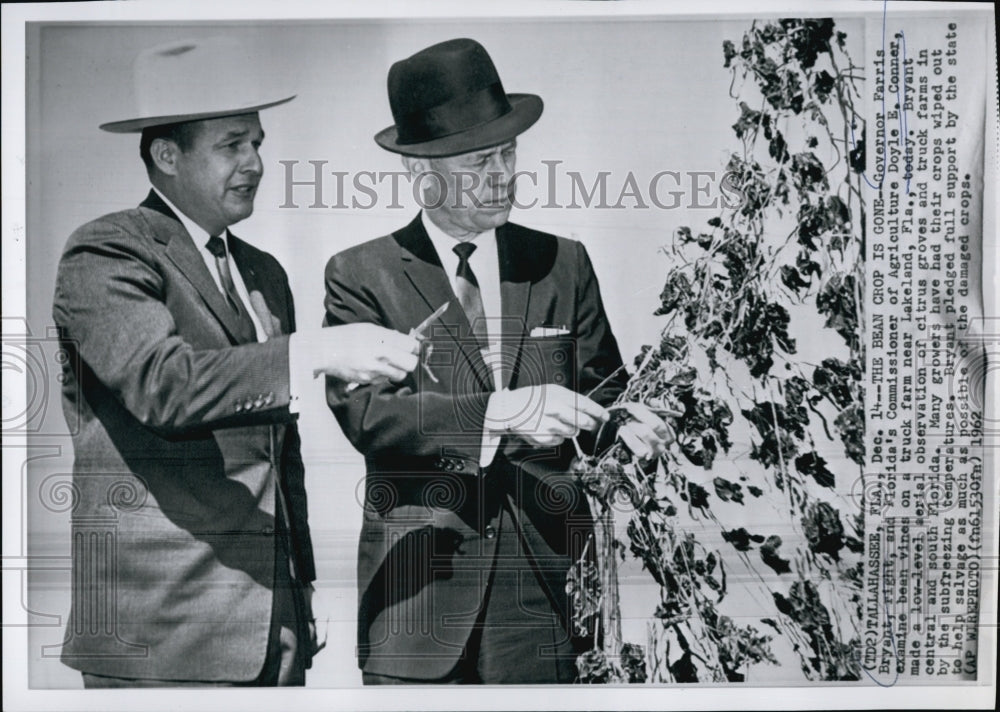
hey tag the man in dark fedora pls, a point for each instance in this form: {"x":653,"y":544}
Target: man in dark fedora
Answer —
{"x":192,"y":562}
{"x":472,"y":519}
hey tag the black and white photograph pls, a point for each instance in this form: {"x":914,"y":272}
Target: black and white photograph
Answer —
{"x":646,"y":350}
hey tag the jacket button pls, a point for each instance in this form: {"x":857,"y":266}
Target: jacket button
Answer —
{"x":267,"y":530}
{"x":258,"y":402}
{"x":238,"y":407}
{"x":490,"y":533}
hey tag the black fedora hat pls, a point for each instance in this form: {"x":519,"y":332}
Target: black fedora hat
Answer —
{"x":448,"y":99}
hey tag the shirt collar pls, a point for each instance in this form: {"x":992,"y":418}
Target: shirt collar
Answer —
{"x":196,"y":231}
{"x":444,"y":243}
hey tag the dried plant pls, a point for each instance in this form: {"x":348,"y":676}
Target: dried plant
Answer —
{"x":727,"y":361}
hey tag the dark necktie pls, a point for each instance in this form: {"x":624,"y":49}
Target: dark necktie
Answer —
{"x":467,"y":289}
{"x":247,"y":332}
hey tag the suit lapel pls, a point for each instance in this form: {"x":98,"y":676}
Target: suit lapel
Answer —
{"x":515,"y":293}
{"x":424,"y":270}
{"x":255,"y":280}
{"x":180,"y":249}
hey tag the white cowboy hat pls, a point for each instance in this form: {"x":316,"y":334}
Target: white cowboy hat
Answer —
{"x":191,"y":80}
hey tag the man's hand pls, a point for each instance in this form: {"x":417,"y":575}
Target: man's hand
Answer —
{"x":544,"y":416}
{"x":360,"y":353}
{"x":314,"y":645}
{"x":646,"y":435}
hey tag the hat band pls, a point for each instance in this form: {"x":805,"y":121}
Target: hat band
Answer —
{"x":453,"y":116}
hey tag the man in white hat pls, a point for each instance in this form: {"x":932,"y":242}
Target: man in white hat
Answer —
{"x":192,"y":561}
{"x":472,"y":519}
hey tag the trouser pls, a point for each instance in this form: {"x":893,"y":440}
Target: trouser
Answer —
{"x":518,"y":637}
{"x":288,"y":643}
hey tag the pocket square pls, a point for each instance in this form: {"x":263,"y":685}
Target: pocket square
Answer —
{"x":543,"y":331}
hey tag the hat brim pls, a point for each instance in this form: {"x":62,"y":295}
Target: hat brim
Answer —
{"x":525,"y":110}
{"x":137,"y":125}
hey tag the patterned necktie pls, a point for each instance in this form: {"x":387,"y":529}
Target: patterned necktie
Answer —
{"x":247,"y":332}
{"x":467,"y":289}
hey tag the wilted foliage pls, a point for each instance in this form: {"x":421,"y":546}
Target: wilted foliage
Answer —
{"x":726,"y":359}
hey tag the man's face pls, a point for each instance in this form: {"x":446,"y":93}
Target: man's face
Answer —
{"x":475,"y":190}
{"x":216,"y":178}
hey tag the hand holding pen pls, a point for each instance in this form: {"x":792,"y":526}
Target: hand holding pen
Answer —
{"x":418,"y":334}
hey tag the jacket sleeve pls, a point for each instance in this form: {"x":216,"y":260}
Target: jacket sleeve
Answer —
{"x":397,"y":419}
{"x":113,"y":306}
{"x":599,"y":361}
{"x":600,"y":373}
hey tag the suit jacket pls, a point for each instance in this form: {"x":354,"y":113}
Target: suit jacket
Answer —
{"x":185,"y":436}
{"x":431,"y":513}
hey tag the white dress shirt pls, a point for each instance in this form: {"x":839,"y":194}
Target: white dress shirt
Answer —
{"x":201,"y":238}
{"x":485,"y":264}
